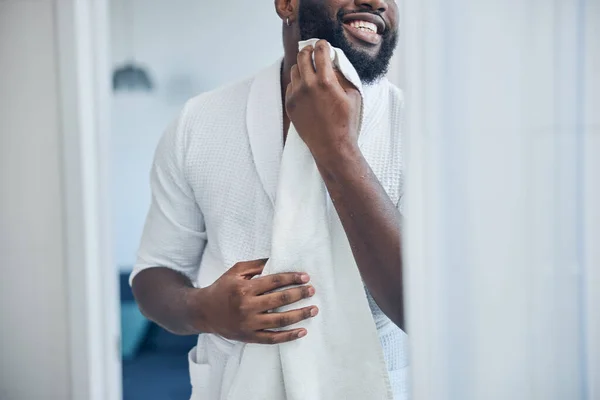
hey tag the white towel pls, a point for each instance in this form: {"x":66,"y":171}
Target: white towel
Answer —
{"x":341,"y":357}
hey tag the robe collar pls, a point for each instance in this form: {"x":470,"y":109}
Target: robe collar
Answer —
{"x":264,"y":121}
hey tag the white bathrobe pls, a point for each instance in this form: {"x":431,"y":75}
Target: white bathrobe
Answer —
{"x":214,"y":182}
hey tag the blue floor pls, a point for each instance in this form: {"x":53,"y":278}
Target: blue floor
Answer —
{"x":155,"y":375}
{"x":155,"y":365}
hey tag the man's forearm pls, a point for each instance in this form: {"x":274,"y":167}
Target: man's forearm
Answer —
{"x":162,"y":295}
{"x":372,"y":224}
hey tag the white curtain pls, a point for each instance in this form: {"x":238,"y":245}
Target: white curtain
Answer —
{"x":502,"y":202}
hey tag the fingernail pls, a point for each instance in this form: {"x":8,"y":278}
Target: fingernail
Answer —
{"x":301,"y":334}
{"x":311,"y":291}
{"x":314,"y":312}
{"x":304,"y":278}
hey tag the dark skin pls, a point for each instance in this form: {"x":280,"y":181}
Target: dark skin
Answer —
{"x":233,"y":307}
{"x":324,"y":108}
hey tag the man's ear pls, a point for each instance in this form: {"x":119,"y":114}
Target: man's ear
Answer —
{"x":287,"y":9}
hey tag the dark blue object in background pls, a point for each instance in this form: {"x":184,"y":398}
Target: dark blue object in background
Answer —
{"x":158,"y":368}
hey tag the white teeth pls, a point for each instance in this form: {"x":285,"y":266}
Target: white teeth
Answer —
{"x":364,"y":25}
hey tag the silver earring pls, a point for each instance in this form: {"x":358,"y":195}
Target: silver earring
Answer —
{"x":287,"y":21}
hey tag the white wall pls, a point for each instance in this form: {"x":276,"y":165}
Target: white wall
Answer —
{"x":33,"y":310}
{"x":189,"y":46}
{"x":502,"y":191}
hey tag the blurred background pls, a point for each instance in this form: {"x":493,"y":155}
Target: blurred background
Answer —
{"x":502,"y":145}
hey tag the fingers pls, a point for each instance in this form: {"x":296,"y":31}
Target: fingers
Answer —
{"x":275,"y":300}
{"x":295,"y":80}
{"x":324,"y":66}
{"x":266,"y":337}
{"x":295,"y":74}
{"x":272,"y":282}
{"x":281,"y":320}
{"x":306,"y":66}
{"x":321,"y":72}
{"x":248,"y":269}
{"x":345,"y":83}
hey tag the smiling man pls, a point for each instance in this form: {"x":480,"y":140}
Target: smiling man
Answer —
{"x":208,"y":231}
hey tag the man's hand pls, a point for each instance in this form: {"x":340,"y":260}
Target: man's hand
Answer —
{"x":237,"y":306}
{"x":323,"y":106}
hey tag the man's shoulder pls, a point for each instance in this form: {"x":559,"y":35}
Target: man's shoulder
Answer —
{"x":223,"y":101}
{"x":215,"y":117}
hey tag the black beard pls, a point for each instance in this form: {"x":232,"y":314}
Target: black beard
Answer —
{"x":314,"y":22}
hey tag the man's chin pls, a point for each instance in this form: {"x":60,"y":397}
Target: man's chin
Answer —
{"x":358,"y":46}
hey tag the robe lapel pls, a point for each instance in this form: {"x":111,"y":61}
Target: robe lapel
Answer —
{"x":264,"y":119}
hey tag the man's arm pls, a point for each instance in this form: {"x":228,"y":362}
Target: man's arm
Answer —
{"x":235,"y":306}
{"x":162,"y":295}
{"x":325,"y":109}
{"x":372,"y":224}
{"x":173,"y":241}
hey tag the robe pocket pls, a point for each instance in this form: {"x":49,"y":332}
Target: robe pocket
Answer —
{"x":399,"y":380}
{"x":200,"y":375}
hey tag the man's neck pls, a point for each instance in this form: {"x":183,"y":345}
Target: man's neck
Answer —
{"x":285,"y":76}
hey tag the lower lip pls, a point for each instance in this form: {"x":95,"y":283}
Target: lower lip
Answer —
{"x":362,"y":35}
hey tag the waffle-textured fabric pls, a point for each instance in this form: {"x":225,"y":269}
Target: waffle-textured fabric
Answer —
{"x":214,"y":182}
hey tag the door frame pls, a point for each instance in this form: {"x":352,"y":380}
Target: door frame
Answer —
{"x":83,"y":37}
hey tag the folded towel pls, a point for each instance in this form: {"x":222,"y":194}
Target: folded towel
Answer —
{"x":341,"y":357}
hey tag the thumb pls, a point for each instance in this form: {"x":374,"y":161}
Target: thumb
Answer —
{"x":345,"y":83}
{"x":248,"y":269}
